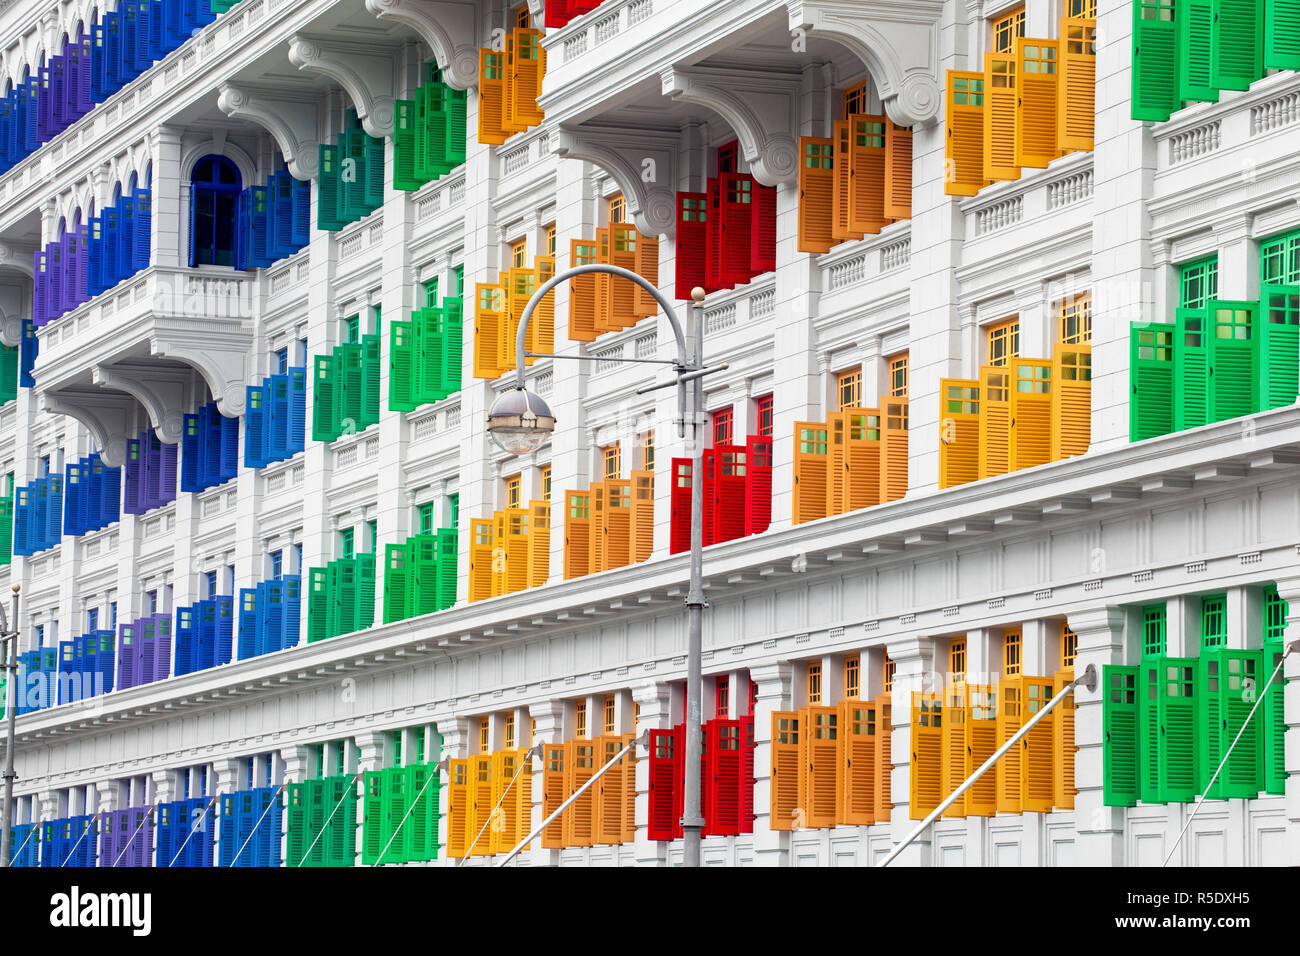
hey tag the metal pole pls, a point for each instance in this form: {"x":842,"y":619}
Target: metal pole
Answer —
{"x":526,"y":763}
{"x":1088,"y":679}
{"x":692,"y":821}
{"x":11,"y":714}
{"x":565,"y":805}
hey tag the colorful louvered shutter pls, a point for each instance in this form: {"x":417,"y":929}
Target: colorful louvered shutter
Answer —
{"x":679,"y":538}
{"x":1278,"y":354}
{"x":1282,"y":34}
{"x":1229,"y":681}
{"x":1155,"y":64}
{"x":642,"y":523}
{"x":787,"y":770}
{"x":898,"y":171}
{"x":1236,"y":43}
{"x":820,"y":728}
{"x":959,"y":431}
{"x":868,"y":159}
{"x":1009,"y":719}
{"x":893,"y":449}
{"x":1194,"y":25}
{"x":1152,"y":369}
{"x":577,"y":534}
{"x":994,"y":421}
{"x":816,"y":202}
{"x":810,"y":471}
{"x":952,"y":751}
{"x":1071,"y":405}
{"x":1031,"y":413}
{"x":555,"y":757}
{"x":858,"y":735}
{"x":1037,"y":759}
{"x":539,"y":542}
{"x":491,"y":97}
{"x":480,"y":559}
{"x":1233,"y":346}
{"x":397,"y":584}
{"x":489,"y":321}
{"x":981,"y":740}
{"x":1000,"y":112}
{"x":1063,"y":748}
{"x":925,"y":775}
{"x":842,"y":178}
{"x":1037,"y":102}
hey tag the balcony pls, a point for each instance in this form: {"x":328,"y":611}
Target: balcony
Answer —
{"x":149,"y":341}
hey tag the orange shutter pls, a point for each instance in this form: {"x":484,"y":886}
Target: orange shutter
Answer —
{"x":1075,"y":104}
{"x":862,"y":460}
{"x":893,"y":449}
{"x":519,"y":284}
{"x":810,"y":471}
{"x":458,"y":805}
{"x":816,"y":194}
{"x":1031,"y":413}
{"x":605,"y":320}
{"x":527,"y":65}
{"x":481,"y":794}
{"x":963,"y":143}
{"x":1071,"y":400}
{"x":539,"y":543}
{"x":517,"y":549}
{"x":647,"y":267}
{"x":480,"y":558}
{"x":843,"y":183}
{"x":926,"y":772}
{"x":620,"y":294}
{"x":1037,"y":763}
{"x":608,"y":801}
{"x":499,"y":564}
{"x":554,"y":761}
{"x":509,"y":122}
{"x":953,"y":763}
{"x":1036,"y":78}
{"x":1008,"y":768}
{"x":582,"y":293}
{"x":629,"y":789}
{"x":836,"y":436}
{"x":541,"y":327}
{"x":981,"y":731}
{"x":1000,"y":117}
{"x":522,"y":796}
{"x":959,"y":431}
{"x":884,"y":764}
{"x":596,"y":543}
{"x":617,"y":530}
{"x":787,"y":769}
{"x":579,"y":818}
{"x":491,"y":97}
{"x":857,"y":791}
{"x":821,"y":769}
{"x":503,"y":825}
{"x":642,"y":537}
{"x":995,"y":420}
{"x":867,"y":174}
{"x":577,"y":534}
{"x":1063,"y":748}
{"x":898,"y":171}
{"x":489,"y":319}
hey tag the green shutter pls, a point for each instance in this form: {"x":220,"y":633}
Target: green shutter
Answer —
{"x":433,"y":133}
{"x":404,"y":146}
{"x":396,"y":800}
{"x":1168,"y":721}
{"x":402,"y":369}
{"x":1282,"y":34}
{"x":328,"y":189}
{"x":1151,"y":372}
{"x":373,"y":830}
{"x":1191,"y":388}
{"x":397,"y":584}
{"x":1273,"y":744}
{"x":1233,"y":345}
{"x":426,"y":574}
{"x":318,"y":605}
{"x":447,"y":545}
{"x":295,"y":825}
{"x":365,"y":590}
{"x":6,"y":530}
{"x":8,"y":374}
{"x":369,"y":380}
{"x":1237,"y":44}
{"x":1195,"y":17}
{"x":1230,"y":681}
{"x":1279,"y":345}
{"x":453,"y":340}
{"x":1155,"y":66}
{"x":324,"y":400}
{"x":420,"y":833}
{"x":348,"y":371}
{"x":1119,"y":716}
{"x":374,"y":174}
{"x":455,"y":104}
{"x":428,"y":330}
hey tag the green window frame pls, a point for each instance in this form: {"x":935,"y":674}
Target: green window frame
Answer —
{"x":1153,"y":630}
{"x":426,"y":518}
{"x":1198,"y":283}
{"x":347,"y":543}
{"x":1214,"y":620}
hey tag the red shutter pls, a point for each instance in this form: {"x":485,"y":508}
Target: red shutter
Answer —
{"x":679,"y":537}
{"x":723,"y":742}
{"x":762,"y":257}
{"x":710,"y":487}
{"x":747,"y":773}
{"x":691,"y":242}
{"x":758,"y":486}
{"x":716,"y":255}
{"x":737,"y":196}
{"x":729,"y":492}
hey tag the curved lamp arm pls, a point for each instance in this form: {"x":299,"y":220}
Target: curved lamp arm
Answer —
{"x":683,"y":362}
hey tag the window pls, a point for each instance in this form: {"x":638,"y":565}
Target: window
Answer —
{"x":852,"y":677}
{"x":459,"y":274}
{"x":648,"y":451}
{"x":1039,"y":60}
{"x":453,"y":510}
{"x":373,"y":527}
{"x":550,"y":239}
{"x":510,"y":732}
{"x":1232,"y":323}
{"x":848,"y":389}
{"x":426,"y":518}
{"x":1011,"y":644}
{"x":763,"y":413}
{"x":898,"y":375}
{"x":617,"y":209}
{"x":546,"y":482}
{"x":277,"y":565}
{"x":1275,"y":612}
{"x":214,"y":190}
{"x":609,"y":713}
{"x":855,"y":99}
{"x":112,"y":615}
{"x":522,"y":20}
{"x":1153,"y":630}
{"x":1087,"y":9}
{"x":889,"y":669}
{"x":721,"y":696}
{"x":1008,"y":28}
{"x":211,"y":578}
{"x":1198,"y":283}
{"x":1003,"y":342}
{"x":431,"y":292}
{"x":957,"y":659}
{"x":815,"y":683}
{"x":347,"y":543}
{"x":484,"y":734}
{"x":1076,"y":320}
{"x":967,"y":91}
{"x":1214,"y":620}
{"x":419,"y":745}
{"x":45,"y":466}
{"x":341,"y":763}
{"x":92,"y":619}
{"x":39,"y":636}
{"x":1155,"y":346}
{"x":612,"y":460}
{"x":1069,"y":645}
{"x":151,"y":599}
{"x":753,"y":696}
{"x":729,"y":157}
{"x":815,"y":156}
{"x":352,"y":329}
{"x":282,"y":361}
{"x":580,"y":719}
{"x":297,"y":554}
{"x":518,"y":253}
{"x":722,"y":421}
{"x":513,"y":483}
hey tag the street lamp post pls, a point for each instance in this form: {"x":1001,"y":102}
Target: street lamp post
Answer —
{"x":520,"y":421}
{"x":9,"y":648}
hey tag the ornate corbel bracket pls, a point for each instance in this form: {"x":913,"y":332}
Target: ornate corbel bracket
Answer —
{"x":294,"y":123}
{"x":642,"y":162}
{"x":365,"y":74}
{"x":449,"y":28}
{"x":161,"y":392}
{"x":109,"y":416}
{"x":762,"y":108}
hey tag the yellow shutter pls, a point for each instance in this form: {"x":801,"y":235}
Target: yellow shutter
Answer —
{"x":620,"y":294}
{"x":617,"y":529}
{"x":925,"y":775}
{"x":491,"y":97}
{"x":953,"y":734}
{"x":489,"y":318}
{"x":518,"y":552}
{"x":608,"y":802}
{"x":893,"y":448}
{"x":819,"y":728}
{"x":519,"y":284}
{"x":458,"y":806}
{"x":867,"y":174}
{"x":963,"y":143}
{"x":647,"y":267}
{"x":788,"y":758}
{"x":583,"y":298}
{"x":1063,"y":748}
{"x":995,"y":421}
{"x":836,"y":436}
{"x":577,"y":534}
{"x":898,"y":171}
{"x":528,"y":65}
{"x":643,"y":515}
{"x":1037,"y":762}
{"x":862,"y":459}
{"x":500,"y":567}
{"x":959,"y":431}
{"x":817,"y":202}
{"x":1036,"y":69}
{"x":858,"y":734}
{"x":521,"y":798}
{"x":580,"y":818}
{"x":1000,"y":117}
{"x":1071,"y":400}
{"x":1031,"y":413}
{"x":480,"y":558}
{"x":884,"y":763}
{"x":810,"y":471}
{"x":629,"y":789}
{"x":596,"y":546}
{"x":605,"y":320}
{"x":482,"y":801}
{"x":1075,"y":105}
{"x":541,"y":327}
{"x":981,"y":732}
{"x":503,"y":825}
{"x":1010,"y":696}
{"x":555,"y":758}
{"x":539,"y":542}
{"x":843,"y":183}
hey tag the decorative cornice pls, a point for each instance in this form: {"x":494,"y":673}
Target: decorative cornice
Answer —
{"x":294,"y":122}
{"x":449,"y":28}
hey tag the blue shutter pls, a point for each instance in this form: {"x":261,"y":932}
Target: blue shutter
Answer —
{"x":126,"y":237}
{"x":131,"y":487}
{"x":301,"y":213}
{"x":28,"y":348}
{"x":73,"y":522}
{"x":255,"y":445}
{"x":143,"y":222}
{"x":259,"y":227}
{"x":191,"y":446}
{"x":248,"y":620}
{"x":297,"y":410}
{"x":229,"y":446}
{"x":185,"y":651}
{"x":225,"y":629}
{"x":243,"y":241}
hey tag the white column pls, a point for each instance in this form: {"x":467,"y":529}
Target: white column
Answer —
{"x":913,"y":659}
{"x":1099,"y":828}
{"x":1289,"y":590}
{"x":549,"y":715}
{"x":771,"y":847}
{"x":654,"y":699}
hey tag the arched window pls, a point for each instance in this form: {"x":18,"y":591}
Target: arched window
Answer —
{"x":214,"y":191}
